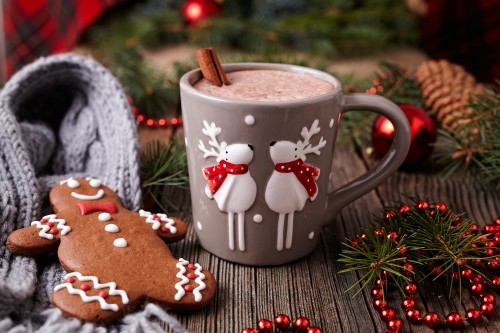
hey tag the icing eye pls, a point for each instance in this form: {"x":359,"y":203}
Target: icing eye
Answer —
{"x":73,"y":183}
{"x":95,"y":182}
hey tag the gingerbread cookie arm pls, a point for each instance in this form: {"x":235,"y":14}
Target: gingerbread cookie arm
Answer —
{"x":88,"y":298}
{"x":41,"y":237}
{"x":168,"y":228}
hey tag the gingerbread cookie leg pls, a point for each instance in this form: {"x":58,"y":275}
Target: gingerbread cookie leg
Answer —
{"x":186,"y":287}
{"x":41,"y":237}
{"x":89,"y":299}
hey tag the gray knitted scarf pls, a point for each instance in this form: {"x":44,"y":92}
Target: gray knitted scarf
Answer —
{"x":61,"y":116}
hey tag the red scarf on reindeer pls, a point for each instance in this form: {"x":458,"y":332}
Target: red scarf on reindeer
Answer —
{"x":217,"y":174}
{"x":305,"y":173}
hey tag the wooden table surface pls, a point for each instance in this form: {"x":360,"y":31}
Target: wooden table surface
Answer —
{"x":311,"y":286}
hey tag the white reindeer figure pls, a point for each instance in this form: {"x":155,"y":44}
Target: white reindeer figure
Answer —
{"x":292,"y":181}
{"x":229,"y":182}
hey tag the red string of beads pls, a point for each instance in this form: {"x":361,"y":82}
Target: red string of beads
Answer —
{"x":477,"y":285}
{"x":284,"y":324}
{"x":142,"y":119}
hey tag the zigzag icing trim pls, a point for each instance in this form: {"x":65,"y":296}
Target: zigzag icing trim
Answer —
{"x":178,"y":286}
{"x":104,"y":305}
{"x":201,"y":284}
{"x":53,"y":219}
{"x":150,"y":218}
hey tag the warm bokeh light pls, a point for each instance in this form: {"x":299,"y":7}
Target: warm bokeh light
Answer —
{"x":194,"y":11}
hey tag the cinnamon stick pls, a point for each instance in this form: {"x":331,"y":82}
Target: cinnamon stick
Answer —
{"x":211,"y":67}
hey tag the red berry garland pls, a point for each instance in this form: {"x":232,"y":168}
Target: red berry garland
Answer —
{"x":284,"y":324}
{"x":431,"y":319}
{"x":142,"y":119}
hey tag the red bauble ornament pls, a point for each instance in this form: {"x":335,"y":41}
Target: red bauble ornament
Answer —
{"x":248,"y":330}
{"x":265,"y":326}
{"x":282,"y":321}
{"x":411,"y":289}
{"x":477,"y":288}
{"x":314,"y":330}
{"x":301,"y":324}
{"x":422,"y":129}
{"x":413,"y":315}
{"x":432,"y":320}
{"x":377,"y":293}
{"x":473,"y":316}
{"x":387,"y":314}
{"x":395,"y":325}
{"x":488,"y":309}
{"x":194,"y":11}
{"x":454,"y":320}
{"x":408,"y":303}
{"x":488,"y":298}
{"x":495,"y":282}
{"x":379,"y":304}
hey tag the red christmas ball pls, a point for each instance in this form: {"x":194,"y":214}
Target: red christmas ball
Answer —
{"x":432,"y":320}
{"x":301,"y":324}
{"x":411,"y":289}
{"x":387,"y":314}
{"x":422,"y":129}
{"x":265,"y":326}
{"x":379,"y":304}
{"x":314,"y":330}
{"x":488,"y":298}
{"x":454,"y":320}
{"x":248,"y":330}
{"x":395,"y":324}
{"x":194,"y":11}
{"x":408,"y":303}
{"x":377,"y":293}
{"x":496,"y":282}
{"x":413,"y":315}
{"x":473,"y":316}
{"x":477,"y":288}
{"x":282,"y":321}
{"x":488,"y":309}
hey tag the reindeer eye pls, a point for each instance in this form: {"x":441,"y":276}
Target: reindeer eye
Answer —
{"x":295,"y":148}
{"x":227,"y":152}
{"x":295,"y":155}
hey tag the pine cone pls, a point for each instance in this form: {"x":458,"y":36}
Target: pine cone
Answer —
{"x":447,"y":89}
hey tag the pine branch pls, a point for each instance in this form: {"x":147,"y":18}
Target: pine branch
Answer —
{"x":475,"y":144}
{"x":435,"y":240}
{"x":163,"y":166}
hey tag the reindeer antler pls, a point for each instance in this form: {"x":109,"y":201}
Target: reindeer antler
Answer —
{"x":304,"y":147}
{"x":212,"y":131}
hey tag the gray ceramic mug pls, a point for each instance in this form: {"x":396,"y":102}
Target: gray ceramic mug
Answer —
{"x":251,"y":205}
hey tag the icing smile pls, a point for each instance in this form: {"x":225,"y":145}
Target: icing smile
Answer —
{"x":96,"y":196}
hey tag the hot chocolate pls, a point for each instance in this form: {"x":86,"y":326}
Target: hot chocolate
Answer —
{"x":267,"y":85}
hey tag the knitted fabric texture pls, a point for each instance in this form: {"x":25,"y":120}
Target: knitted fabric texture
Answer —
{"x":62,"y":116}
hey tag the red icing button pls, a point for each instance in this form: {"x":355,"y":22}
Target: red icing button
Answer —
{"x":50,"y":224}
{"x":84,"y":287}
{"x":54,"y":231}
{"x":157,"y":218}
{"x":104,"y":294}
{"x":191,"y":276}
{"x":42,"y":221}
{"x":70,"y":280}
{"x":191,"y":267}
{"x":164,"y":229}
{"x":188,"y":288}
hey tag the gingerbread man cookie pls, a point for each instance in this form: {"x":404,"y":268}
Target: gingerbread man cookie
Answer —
{"x":116,"y":258}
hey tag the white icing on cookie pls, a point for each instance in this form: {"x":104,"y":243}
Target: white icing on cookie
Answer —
{"x":112,"y":228}
{"x":71,"y":182}
{"x":104,"y":305}
{"x":150,"y":218}
{"x":120,"y":242}
{"x":104,"y":217}
{"x":96,"y":196}
{"x":179,"y":285}
{"x":52,"y":218}
{"x":201,"y":284}
{"x":94,"y":182}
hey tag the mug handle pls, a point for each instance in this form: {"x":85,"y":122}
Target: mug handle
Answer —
{"x":389,"y":163}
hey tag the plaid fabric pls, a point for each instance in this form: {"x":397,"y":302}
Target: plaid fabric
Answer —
{"x":34,"y":28}
{"x":465,"y":32}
